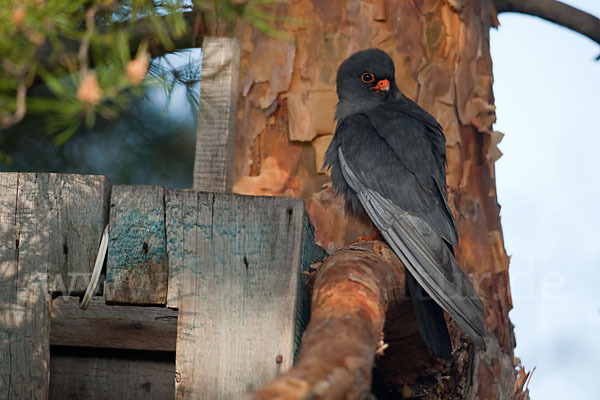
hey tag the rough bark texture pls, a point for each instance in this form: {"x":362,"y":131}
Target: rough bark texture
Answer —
{"x":285,"y":122}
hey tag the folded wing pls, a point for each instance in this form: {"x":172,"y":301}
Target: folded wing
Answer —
{"x":424,"y":253}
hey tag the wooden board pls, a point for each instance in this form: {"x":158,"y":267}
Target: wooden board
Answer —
{"x":72,"y":211}
{"x":91,"y":377}
{"x":213,"y":166}
{"x":235,"y":271}
{"x":119,"y":327}
{"x":77,"y":214}
{"x":24,"y":300}
{"x":186,"y":213}
{"x":136,"y":270}
{"x":50,"y":228}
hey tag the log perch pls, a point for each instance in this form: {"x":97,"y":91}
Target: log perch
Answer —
{"x":351,"y":292}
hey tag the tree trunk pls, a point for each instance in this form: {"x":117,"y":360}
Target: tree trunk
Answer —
{"x":285,"y":122}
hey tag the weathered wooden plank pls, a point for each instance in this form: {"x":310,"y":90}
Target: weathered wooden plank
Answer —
{"x":77,"y":207}
{"x":50,"y":227}
{"x":213,"y":166}
{"x":24,"y":300}
{"x":188,"y":220}
{"x":119,"y":327}
{"x":136,"y":270}
{"x":238,"y":262}
{"x":102,"y":378}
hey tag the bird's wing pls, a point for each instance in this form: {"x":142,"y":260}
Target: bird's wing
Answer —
{"x":417,"y":140}
{"x":384,"y":165}
{"x":424,"y":253}
{"x":414,"y":135}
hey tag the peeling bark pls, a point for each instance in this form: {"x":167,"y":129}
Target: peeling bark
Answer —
{"x":442,"y":57}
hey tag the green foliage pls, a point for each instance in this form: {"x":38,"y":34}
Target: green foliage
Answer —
{"x":252,"y":12}
{"x":93,"y":55}
{"x":171,"y":77}
{"x":143,"y":146}
{"x":63,"y":43}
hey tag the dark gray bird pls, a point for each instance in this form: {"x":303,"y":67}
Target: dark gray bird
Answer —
{"x":388,"y":159}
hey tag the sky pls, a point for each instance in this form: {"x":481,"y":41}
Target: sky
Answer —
{"x":547,"y":87}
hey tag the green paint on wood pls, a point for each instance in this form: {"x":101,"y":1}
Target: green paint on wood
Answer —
{"x":137,"y":257}
{"x":235,"y":266}
{"x":128,"y":235}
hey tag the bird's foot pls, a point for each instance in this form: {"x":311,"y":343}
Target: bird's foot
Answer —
{"x":375,"y":236}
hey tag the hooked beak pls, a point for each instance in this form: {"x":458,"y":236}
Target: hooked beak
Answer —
{"x":382,"y":86}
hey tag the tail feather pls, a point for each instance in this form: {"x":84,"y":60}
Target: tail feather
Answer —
{"x":460,"y":306}
{"x":430,"y":320}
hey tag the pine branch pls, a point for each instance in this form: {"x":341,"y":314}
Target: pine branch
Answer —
{"x":557,"y":12}
{"x":143,"y":32}
{"x":193,"y":38}
{"x":7,"y":120}
{"x":10,"y":119}
{"x":112,"y":40}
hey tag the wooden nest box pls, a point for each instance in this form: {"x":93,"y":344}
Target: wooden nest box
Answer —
{"x":202,"y":295}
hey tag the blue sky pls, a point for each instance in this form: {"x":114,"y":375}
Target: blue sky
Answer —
{"x":547,"y":88}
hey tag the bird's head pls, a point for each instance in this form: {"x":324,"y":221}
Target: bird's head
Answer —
{"x":365,"y":80}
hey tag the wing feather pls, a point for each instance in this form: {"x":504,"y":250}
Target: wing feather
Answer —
{"x":425,"y":255}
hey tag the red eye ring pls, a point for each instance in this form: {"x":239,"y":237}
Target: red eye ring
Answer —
{"x":367,"y":77}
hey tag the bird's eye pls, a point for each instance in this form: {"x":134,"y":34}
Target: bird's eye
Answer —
{"x":367,"y":77}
